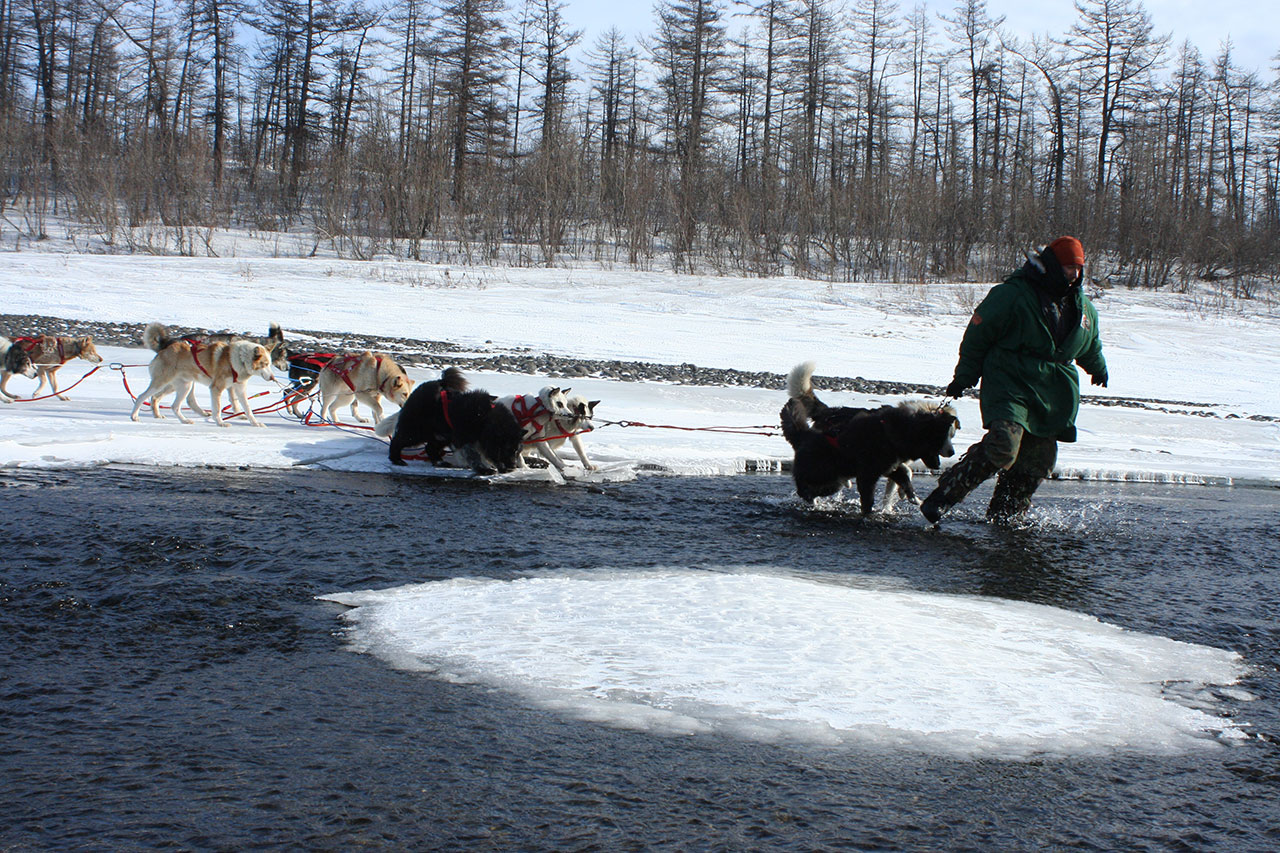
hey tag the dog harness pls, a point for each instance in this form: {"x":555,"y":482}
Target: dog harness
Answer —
{"x":343,"y":367}
{"x":444,"y":407}
{"x":313,"y":359}
{"x":527,"y":415}
{"x":31,"y":344}
{"x":197,"y":346}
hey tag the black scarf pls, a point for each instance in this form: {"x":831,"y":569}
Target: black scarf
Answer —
{"x":1057,"y":299}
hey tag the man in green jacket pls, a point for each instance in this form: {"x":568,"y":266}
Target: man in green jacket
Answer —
{"x":1023,"y":342}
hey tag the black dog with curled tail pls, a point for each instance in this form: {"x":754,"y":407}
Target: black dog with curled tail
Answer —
{"x":836,"y":445}
{"x":444,"y":414}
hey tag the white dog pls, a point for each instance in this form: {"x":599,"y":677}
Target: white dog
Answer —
{"x":581,"y":411}
{"x":537,"y":416}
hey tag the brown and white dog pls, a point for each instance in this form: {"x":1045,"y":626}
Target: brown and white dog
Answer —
{"x":361,"y":378}
{"x":180,"y":365}
{"x":47,"y":354}
{"x":14,"y":361}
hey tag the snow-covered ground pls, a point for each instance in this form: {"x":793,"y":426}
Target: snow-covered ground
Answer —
{"x":1219,"y":366}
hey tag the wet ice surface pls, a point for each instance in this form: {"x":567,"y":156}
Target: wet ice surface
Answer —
{"x":663,"y":663}
{"x":769,"y":656}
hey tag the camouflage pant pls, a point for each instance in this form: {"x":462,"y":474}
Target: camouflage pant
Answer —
{"x":1021,"y":459}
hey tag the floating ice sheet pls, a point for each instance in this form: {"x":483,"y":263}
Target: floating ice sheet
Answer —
{"x":777,"y":657}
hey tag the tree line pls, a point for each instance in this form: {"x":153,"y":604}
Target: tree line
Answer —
{"x":836,"y":139}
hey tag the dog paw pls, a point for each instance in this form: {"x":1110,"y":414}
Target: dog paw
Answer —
{"x":63,"y":397}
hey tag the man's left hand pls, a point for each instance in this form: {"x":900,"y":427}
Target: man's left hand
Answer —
{"x":1099,"y":379}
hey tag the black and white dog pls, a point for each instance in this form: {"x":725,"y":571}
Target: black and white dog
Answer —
{"x":836,"y":445}
{"x":443,"y":413}
{"x":14,"y":361}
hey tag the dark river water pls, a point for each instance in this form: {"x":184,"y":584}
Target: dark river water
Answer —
{"x":169,"y":679}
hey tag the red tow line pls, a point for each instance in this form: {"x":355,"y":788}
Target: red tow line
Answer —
{"x":63,"y":391}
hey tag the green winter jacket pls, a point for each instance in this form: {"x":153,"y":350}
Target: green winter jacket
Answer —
{"x":1026,"y":377}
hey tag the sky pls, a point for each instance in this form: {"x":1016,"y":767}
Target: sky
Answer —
{"x":694,"y":649}
{"x":1253,"y":29}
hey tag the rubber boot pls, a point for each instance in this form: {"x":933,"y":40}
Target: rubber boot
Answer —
{"x":957,"y":481}
{"x":1012,"y":495}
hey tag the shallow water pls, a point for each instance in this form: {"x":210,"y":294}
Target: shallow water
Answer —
{"x":171,"y":680}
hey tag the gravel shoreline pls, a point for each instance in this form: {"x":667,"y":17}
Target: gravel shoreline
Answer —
{"x":425,"y":354}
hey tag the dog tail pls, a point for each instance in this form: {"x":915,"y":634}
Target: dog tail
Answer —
{"x":156,"y":337}
{"x":800,"y":390}
{"x":800,"y":380}
{"x":452,"y":379}
{"x":387,"y":425}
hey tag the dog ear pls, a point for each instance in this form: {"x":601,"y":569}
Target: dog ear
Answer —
{"x":591,"y":407}
{"x":565,"y":390}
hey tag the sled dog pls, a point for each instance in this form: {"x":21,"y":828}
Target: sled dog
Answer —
{"x":179,"y":365}
{"x":361,"y":378}
{"x":836,"y":445}
{"x":47,"y":354}
{"x":570,"y":429}
{"x":14,"y":361}
{"x":536,"y":414}
{"x":444,"y":413}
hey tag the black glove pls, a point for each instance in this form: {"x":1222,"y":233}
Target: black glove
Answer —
{"x":1099,"y":379}
{"x":956,"y":389}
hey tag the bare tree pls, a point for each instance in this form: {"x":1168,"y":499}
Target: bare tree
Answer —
{"x":689,"y":51}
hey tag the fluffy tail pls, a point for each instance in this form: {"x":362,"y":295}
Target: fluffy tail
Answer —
{"x":800,"y":380}
{"x":800,"y":390}
{"x":156,"y":337}
{"x":453,"y":380}
{"x":387,"y":425}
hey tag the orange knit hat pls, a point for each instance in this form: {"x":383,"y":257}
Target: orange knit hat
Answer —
{"x":1068,"y":251}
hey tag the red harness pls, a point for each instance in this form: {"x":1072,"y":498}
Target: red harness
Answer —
{"x":315,"y":359}
{"x":444,"y":407}
{"x":31,"y":344}
{"x":197,"y":346}
{"x":527,"y":415}
{"x":344,"y":365}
